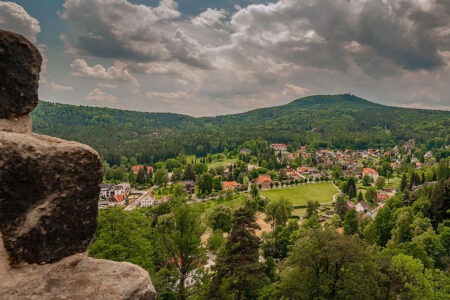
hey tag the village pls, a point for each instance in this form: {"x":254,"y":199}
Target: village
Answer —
{"x":377,"y":173}
{"x":319,"y":179}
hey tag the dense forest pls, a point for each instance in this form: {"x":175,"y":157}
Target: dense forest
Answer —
{"x":401,"y":253}
{"x":340,"y":121}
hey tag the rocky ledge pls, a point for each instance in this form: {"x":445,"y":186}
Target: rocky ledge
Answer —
{"x":49,"y":190}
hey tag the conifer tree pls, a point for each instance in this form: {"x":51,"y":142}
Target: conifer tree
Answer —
{"x":403,"y":183}
{"x":238,"y":270}
{"x":360,"y":196}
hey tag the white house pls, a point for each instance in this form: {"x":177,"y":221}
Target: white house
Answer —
{"x":124,"y":188}
{"x":279,"y":147}
{"x":106,"y":190}
{"x":372,"y":214}
{"x":109,"y":190}
{"x":148,"y":200}
{"x":371,"y":173}
{"x":362,"y":206}
{"x":428,"y":155}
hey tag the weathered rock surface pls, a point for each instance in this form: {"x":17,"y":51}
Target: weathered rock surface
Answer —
{"x":49,"y":190}
{"x":20,"y":124}
{"x":49,"y":195}
{"x":78,"y":277}
{"x":20,"y":64}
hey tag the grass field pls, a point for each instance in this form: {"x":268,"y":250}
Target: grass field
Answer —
{"x":301,"y":194}
{"x":191,"y":158}
{"x":223,"y":162}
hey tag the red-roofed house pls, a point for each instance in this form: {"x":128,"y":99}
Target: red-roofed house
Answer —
{"x":229,"y":185}
{"x":371,"y":173}
{"x":382,"y":197}
{"x":264,"y":180}
{"x":290,"y":172}
{"x":137,"y":168}
{"x":118,"y":200}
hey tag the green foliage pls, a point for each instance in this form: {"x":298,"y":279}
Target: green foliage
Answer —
{"x":341,"y":206}
{"x":178,"y":241}
{"x":384,"y":222}
{"x":344,"y":121}
{"x":123,"y":236}
{"x":403,"y":183}
{"x":161,"y":177}
{"x":408,"y":278}
{"x":220,"y":218}
{"x":351,"y":222}
{"x":370,"y":234}
{"x":371,"y":195}
{"x":366,"y":180}
{"x":277,"y":243}
{"x":403,"y":228}
{"x":350,"y":188}
{"x":380,"y":183}
{"x":238,"y":270}
{"x":326,"y":265}
{"x":199,"y":169}
{"x":278,"y":212}
{"x":216,"y":241}
{"x":205,"y":184}
{"x":440,"y":201}
{"x":311,"y":209}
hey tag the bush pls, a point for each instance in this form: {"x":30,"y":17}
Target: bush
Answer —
{"x":299,"y":206}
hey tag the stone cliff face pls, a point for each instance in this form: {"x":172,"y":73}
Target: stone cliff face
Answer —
{"x":48,"y":200}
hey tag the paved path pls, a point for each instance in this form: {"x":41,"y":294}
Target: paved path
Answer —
{"x":138,"y":201}
{"x":334,"y":196}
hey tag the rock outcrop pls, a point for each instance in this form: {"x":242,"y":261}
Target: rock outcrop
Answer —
{"x":49,"y":190}
{"x":20,"y":64}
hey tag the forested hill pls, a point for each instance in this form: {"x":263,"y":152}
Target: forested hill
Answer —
{"x":332,"y":120}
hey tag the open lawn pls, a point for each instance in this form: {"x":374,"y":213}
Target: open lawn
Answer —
{"x":301,"y":194}
{"x":223,"y":162}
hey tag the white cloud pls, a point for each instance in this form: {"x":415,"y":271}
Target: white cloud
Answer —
{"x":117,"y":72}
{"x":321,"y":34}
{"x":393,"y":52}
{"x":55,"y":86}
{"x":14,"y":18}
{"x":121,"y":30}
{"x":167,"y":9}
{"x":210,"y":17}
{"x":293,"y":90}
{"x":98,"y":95}
{"x":168,"y":95}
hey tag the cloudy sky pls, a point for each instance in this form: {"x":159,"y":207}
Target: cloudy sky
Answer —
{"x":202,"y":57}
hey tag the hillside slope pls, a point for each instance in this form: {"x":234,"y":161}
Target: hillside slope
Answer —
{"x":338,"y":120}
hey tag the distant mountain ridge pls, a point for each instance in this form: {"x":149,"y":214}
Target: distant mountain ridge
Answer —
{"x":334,"y":120}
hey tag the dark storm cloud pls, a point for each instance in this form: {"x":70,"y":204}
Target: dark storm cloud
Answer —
{"x":320,"y":33}
{"x":214,"y":57}
{"x":121,"y":30}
